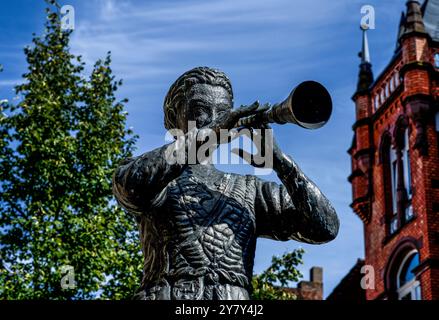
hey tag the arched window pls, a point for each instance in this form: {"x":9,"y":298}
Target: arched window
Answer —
{"x":407,"y":175}
{"x":401,"y":275}
{"x":407,"y":286}
{"x":377,"y":102}
{"x":401,"y":186}
{"x":390,"y":175}
{"x":397,"y":82}
{"x":392,"y":84}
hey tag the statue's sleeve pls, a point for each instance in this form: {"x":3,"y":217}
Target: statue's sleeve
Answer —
{"x":294,"y":210}
{"x":138,"y":182}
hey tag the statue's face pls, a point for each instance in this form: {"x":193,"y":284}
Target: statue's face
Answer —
{"x":205,"y":103}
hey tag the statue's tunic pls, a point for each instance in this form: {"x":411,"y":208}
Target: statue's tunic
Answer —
{"x":199,"y":226}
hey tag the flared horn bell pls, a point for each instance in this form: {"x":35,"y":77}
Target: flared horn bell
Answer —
{"x":309,"y":106}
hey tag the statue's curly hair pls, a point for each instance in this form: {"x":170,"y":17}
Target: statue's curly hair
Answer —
{"x":176,"y":96}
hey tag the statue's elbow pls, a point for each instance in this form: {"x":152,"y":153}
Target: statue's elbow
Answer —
{"x":322,"y":230}
{"x":326,"y":227}
{"x":332,"y":226}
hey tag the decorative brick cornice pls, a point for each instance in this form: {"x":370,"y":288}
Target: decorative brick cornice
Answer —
{"x":362,"y":152}
{"x":417,"y":65}
{"x":361,"y":122}
{"x":418,"y":34}
{"x":356,"y":173}
{"x":391,"y":99}
{"x":361,"y":207}
{"x":417,"y":97}
{"x":363,"y":92}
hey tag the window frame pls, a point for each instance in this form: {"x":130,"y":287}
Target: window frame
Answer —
{"x":393,"y":166}
{"x":408,"y":180}
{"x":389,"y":193}
{"x":436,"y":60}
{"x":412,"y":287}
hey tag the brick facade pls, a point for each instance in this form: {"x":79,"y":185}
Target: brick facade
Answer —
{"x":405,"y":96}
{"x":309,"y":290}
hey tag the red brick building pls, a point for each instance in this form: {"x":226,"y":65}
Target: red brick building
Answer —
{"x":312,"y":289}
{"x":395,"y":161}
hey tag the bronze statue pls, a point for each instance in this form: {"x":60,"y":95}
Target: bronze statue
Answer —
{"x":199,"y":225}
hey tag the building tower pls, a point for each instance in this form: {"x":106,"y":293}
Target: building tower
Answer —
{"x":395,"y":160}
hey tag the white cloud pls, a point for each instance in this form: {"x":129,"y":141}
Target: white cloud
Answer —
{"x":150,"y":37}
{"x":10,"y":82}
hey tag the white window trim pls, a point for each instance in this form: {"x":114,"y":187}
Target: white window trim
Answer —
{"x":410,"y":287}
{"x":394,"y":178}
{"x":407,"y":165}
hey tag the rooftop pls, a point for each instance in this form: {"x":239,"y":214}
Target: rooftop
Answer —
{"x":430,"y":10}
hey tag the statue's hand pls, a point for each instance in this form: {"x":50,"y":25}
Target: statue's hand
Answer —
{"x":263,"y":138}
{"x":228,"y":121}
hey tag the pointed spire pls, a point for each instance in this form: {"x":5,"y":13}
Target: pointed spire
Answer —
{"x":413,"y":21}
{"x":424,"y":5}
{"x":365,"y":77}
{"x":401,"y":28}
{"x":365,"y":54}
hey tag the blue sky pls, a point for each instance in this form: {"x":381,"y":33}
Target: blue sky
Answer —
{"x":266,"y":48}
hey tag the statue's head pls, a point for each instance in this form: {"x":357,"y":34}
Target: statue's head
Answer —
{"x":201,"y":95}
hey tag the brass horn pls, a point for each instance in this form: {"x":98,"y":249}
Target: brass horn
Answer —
{"x":309,"y":106}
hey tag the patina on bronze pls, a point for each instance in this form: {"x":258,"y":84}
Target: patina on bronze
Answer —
{"x":199,"y":225}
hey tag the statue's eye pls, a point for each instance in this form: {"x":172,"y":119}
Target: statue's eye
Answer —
{"x":222,"y":108}
{"x":201,"y":110}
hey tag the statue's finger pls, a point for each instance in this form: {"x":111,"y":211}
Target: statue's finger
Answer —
{"x":263,"y":108}
{"x":246,"y":111}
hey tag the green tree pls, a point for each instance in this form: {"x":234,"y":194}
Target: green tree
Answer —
{"x":59,"y":146}
{"x":270,"y":284}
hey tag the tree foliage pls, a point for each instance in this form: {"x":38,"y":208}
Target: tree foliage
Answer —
{"x":59,"y":146}
{"x":271,"y":284}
